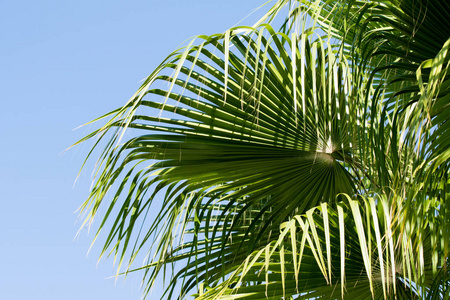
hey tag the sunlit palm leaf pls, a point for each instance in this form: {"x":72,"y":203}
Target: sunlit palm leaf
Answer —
{"x":370,"y":270}
{"x":240,"y":133}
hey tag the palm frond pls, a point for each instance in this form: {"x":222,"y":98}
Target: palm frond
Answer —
{"x":240,"y":134}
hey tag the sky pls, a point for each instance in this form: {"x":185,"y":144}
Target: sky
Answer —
{"x":62,"y":64}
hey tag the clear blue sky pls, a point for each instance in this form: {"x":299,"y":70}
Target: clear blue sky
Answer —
{"x":63,"y":63}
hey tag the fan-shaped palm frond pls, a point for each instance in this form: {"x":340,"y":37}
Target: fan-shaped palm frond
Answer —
{"x":361,"y":254}
{"x":252,"y":144}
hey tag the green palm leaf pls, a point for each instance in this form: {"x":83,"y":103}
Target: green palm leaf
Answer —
{"x":240,"y":134}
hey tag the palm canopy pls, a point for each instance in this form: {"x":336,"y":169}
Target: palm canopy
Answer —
{"x":305,"y":161}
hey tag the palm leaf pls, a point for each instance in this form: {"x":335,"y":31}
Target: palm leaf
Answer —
{"x":240,"y":134}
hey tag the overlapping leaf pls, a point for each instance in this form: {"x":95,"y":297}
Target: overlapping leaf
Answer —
{"x":240,"y":133}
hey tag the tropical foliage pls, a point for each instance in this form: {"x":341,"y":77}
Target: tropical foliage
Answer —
{"x":304,"y":157}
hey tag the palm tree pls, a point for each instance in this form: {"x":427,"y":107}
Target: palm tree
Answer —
{"x":304,"y":157}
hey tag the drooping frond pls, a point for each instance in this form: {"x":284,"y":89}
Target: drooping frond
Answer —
{"x":362,"y":259}
{"x":245,"y":149}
